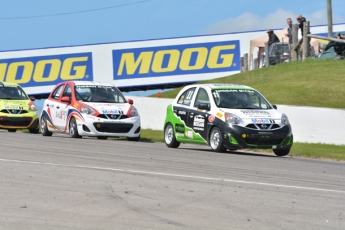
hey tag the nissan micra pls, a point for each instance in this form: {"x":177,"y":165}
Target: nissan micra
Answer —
{"x":87,"y":108}
{"x":17,"y":109}
{"x":226,"y":116}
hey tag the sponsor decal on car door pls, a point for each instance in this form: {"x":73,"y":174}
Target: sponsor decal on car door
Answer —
{"x":197,"y":121}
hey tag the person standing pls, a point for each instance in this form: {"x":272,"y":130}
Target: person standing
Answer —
{"x":339,"y":47}
{"x":300,"y":22}
{"x":272,"y":37}
{"x":289,"y":30}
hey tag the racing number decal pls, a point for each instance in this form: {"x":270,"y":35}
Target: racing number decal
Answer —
{"x":189,"y":95}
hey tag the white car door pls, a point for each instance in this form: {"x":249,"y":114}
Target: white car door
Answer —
{"x":62,"y":109}
{"x":52,"y":106}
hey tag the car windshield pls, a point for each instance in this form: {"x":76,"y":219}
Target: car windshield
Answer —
{"x":239,"y":99}
{"x":98,"y":93}
{"x":12,"y":93}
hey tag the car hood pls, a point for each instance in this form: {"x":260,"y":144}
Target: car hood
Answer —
{"x":14,"y":104}
{"x":109,"y":108}
{"x":255,"y":113}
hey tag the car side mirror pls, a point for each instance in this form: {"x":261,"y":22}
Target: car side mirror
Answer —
{"x":204,"y":106}
{"x":274,"y":106}
{"x":66,"y":99}
{"x":130,"y":101}
{"x":32,"y":98}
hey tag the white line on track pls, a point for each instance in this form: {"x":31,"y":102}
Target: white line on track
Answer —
{"x":174,"y":175}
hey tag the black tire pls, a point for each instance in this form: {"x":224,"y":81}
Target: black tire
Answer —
{"x":12,"y":130}
{"x":102,"y":137}
{"x":169,"y":136}
{"x":44,"y":128}
{"x":216,"y":140}
{"x":281,"y":152}
{"x":133,"y":138}
{"x":34,"y":130}
{"x":73,"y":129}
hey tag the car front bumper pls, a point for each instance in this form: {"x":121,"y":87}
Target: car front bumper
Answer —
{"x":94,"y":126}
{"x":237,"y":137}
{"x":19,"y":121}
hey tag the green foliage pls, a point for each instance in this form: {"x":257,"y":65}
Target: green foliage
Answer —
{"x":313,"y":82}
{"x":335,"y":152}
{"x":152,"y":135}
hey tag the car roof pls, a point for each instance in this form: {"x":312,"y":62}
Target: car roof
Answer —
{"x":90,"y":83}
{"x":8,"y":83}
{"x":223,"y":86}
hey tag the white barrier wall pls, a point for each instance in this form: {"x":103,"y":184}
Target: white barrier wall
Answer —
{"x":309,"y":124}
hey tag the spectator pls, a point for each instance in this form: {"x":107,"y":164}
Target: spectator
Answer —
{"x":300,"y":19}
{"x":289,"y":29}
{"x":339,"y":35}
{"x":339,"y":47}
{"x":286,"y":57}
{"x":272,"y":37}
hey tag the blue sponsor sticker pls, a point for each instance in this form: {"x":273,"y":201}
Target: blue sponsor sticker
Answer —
{"x":261,"y":121}
{"x":111,"y":111}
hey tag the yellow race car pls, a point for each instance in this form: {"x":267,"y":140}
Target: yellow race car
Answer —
{"x":17,"y":110}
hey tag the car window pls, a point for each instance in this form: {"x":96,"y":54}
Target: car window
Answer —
{"x":67,"y":92}
{"x":57,"y":92}
{"x":239,"y":99}
{"x":13,"y":93}
{"x":98,"y":93}
{"x":186,"y":97}
{"x":201,"y":97}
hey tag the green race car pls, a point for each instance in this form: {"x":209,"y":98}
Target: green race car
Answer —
{"x":17,"y":110}
{"x":226,"y":116}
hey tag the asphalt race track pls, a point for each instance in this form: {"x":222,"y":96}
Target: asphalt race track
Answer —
{"x":63,"y":183}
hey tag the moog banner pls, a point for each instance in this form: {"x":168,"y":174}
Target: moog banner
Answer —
{"x":200,"y":58}
{"x":46,"y":70}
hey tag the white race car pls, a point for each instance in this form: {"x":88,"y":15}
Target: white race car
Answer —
{"x":86,"y":108}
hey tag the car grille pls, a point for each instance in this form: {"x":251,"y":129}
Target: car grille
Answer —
{"x":256,"y":141}
{"x":112,"y":127}
{"x":13,"y":111}
{"x":263,"y":126}
{"x":15,"y":121}
{"x":112,"y":116}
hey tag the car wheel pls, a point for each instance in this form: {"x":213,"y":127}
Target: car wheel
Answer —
{"x":216,"y":140}
{"x":73,"y":130}
{"x":281,"y":152}
{"x":169,"y":136}
{"x":12,"y":130}
{"x":44,"y":128}
{"x":102,"y":137}
{"x":133,"y":138}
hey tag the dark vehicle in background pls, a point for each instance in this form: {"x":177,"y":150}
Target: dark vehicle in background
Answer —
{"x":280,"y":52}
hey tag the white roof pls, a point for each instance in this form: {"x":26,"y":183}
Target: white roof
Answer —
{"x":91,"y":83}
{"x":222,"y":85}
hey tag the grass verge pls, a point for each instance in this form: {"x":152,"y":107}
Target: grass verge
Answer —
{"x":313,"y":82}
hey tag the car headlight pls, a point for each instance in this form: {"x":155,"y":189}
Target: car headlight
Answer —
{"x":134,"y":112}
{"x":32,"y":106}
{"x":233,"y":119}
{"x":285,"y":120}
{"x":87,"y":110}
